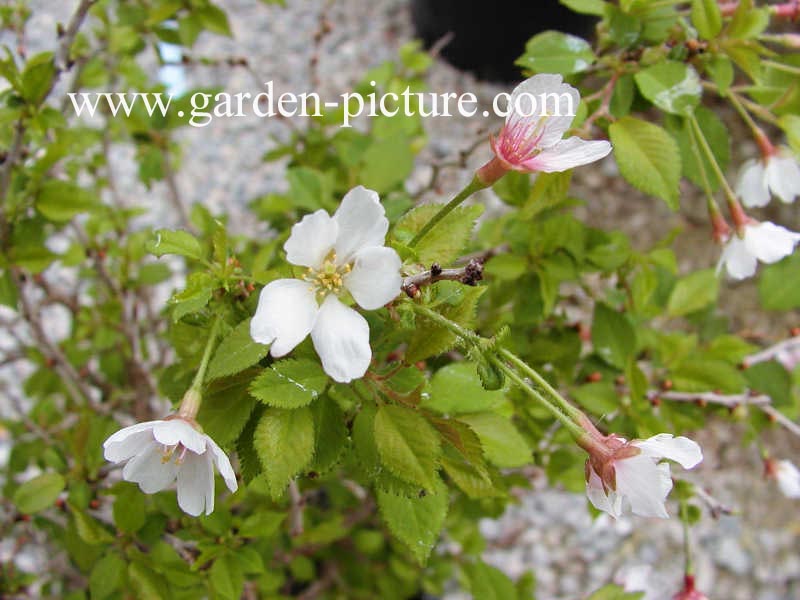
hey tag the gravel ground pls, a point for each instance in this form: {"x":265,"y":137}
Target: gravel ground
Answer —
{"x":752,"y":555}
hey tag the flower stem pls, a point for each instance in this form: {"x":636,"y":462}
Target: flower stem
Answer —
{"x":193,"y":398}
{"x":687,"y":550}
{"x":761,"y":138}
{"x":562,"y":410}
{"x":571,"y":425}
{"x":472,"y":187}
{"x":200,"y":376}
{"x":701,"y":138}
{"x":565,"y":406}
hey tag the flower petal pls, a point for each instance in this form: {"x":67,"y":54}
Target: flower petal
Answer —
{"x":177,"y":431}
{"x":127,"y":442}
{"x":609,"y":502}
{"x":644,"y":484}
{"x":770,"y":243}
{"x":223,"y":465}
{"x":341,"y":338}
{"x":375,"y":279}
{"x":783,"y":177}
{"x":552,"y":97}
{"x":752,"y":185}
{"x":285,"y":315}
{"x":311,"y":239}
{"x":737,"y":259}
{"x":195,"y":477}
{"x":149,"y":470}
{"x":682,"y":450}
{"x":566,"y":154}
{"x":362,"y":223}
{"x":788,"y":477}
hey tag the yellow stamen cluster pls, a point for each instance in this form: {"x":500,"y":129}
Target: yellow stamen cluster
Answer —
{"x":169,"y":451}
{"x":329,"y":277}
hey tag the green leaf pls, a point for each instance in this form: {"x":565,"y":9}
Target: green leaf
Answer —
{"x":791,"y":127}
{"x":331,"y":434}
{"x":556,"y":52}
{"x":699,"y":374}
{"x":89,"y":529}
{"x":748,"y":22}
{"x":648,"y":158}
{"x":309,"y":188}
{"x":772,"y":379}
{"x":169,"y":241}
{"x":446,"y":241}
{"x":38,"y":493}
{"x":214,"y":19}
{"x":693,"y":292}
{"x":417,"y":522}
{"x":59,"y":200}
{"x":37,"y":77}
{"x":489,"y":583}
{"x":672,"y":86}
{"x":129,"y":509}
{"x":613,"y":337}
{"x":585,"y":7}
{"x":503,"y":445}
{"x":779,"y":286}
{"x":707,"y":18}
{"x":199,"y":287}
{"x":407,"y":444}
{"x":226,"y":577}
{"x":386,"y":164}
{"x":148,"y":584}
{"x":290,"y":383}
{"x":284,"y":440}
{"x":615,"y":592}
{"x":456,"y":389}
{"x":236,"y":352}
{"x":226,"y":407}
{"x":107,"y":576}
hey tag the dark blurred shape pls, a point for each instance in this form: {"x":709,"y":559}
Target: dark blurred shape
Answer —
{"x":487,"y":36}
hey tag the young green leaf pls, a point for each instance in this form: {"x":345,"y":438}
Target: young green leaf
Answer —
{"x":235,"y":353}
{"x":672,"y":86}
{"x":445,"y":242}
{"x":613,"y":337}
{"x":290,"y":383}
{"x":556,"y":52}
{"x":38,"y":493}
{"x":168,"y":241}
{"x":693,"y":292}
{"x":707,"y":18}
{"x":407,"y":445}
{"x":417,"y":522}
{"x":59,"y":200}
{"x":503,"y":445}
{"x":648,"y":158}
{"x":284,"y":440}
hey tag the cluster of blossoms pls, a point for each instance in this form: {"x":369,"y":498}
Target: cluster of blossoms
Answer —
{"x":344,"y":260}
{"x":776,"y":173}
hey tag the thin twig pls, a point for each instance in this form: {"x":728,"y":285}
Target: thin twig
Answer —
{"x":790,"y":346}
{"x":760,"y":401}
{"x":470,"y":274}
{"x":716,"y":507}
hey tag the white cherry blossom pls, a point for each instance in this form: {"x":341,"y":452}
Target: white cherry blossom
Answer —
{"x":778,"y":174}
{"x":156,"y":453}
{"x":764,"y":241}
{"x":786,"y":475}
{"x":341,"y":253}
{"x":621,"y":473}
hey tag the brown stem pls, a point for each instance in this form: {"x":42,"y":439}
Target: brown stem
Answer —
{"x":470,"y":274}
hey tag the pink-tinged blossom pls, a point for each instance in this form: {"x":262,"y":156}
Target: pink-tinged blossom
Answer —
{"x":157,"y":453}
{"x":541,"y":110}
{"x":753,"y":242}
{"x":622,"y":474}
{"x":343,"y":253}
{"x":775,"y":174}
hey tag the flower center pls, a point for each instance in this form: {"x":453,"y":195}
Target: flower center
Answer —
{"x":170,"y":451}
{"x":328,"y":277}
